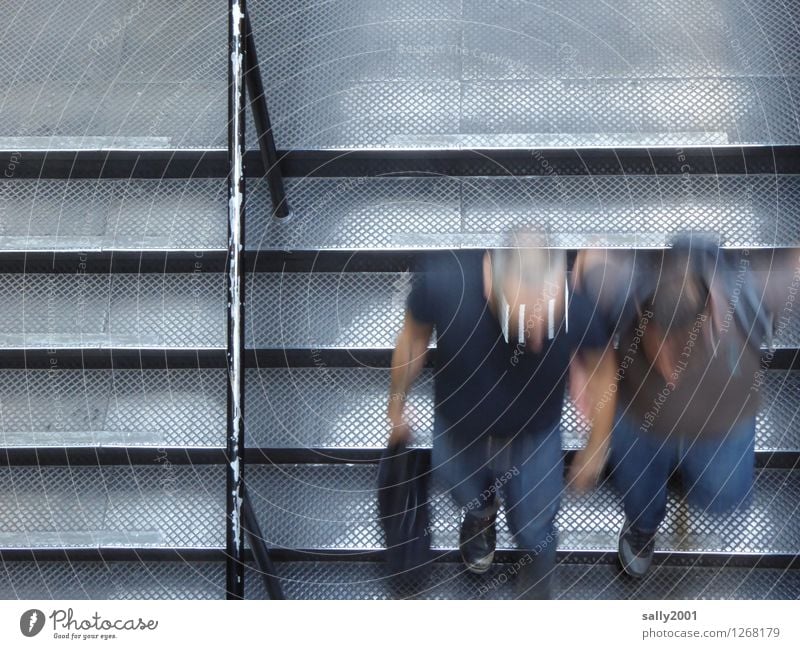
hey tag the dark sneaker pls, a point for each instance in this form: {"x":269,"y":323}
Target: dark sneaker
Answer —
{"x":635,"y":549}
{"x":477,"y":542}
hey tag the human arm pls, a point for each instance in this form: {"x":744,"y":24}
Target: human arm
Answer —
{"x":599,"y":394}
{"x":408,"y":359}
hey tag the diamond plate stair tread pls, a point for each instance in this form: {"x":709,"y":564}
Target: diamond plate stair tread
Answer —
{"x":398,"y":213}
{"x":155,"y":408}
{"x":407,"y":74}
{"x":350,"y":76}
{"x":154,"y":71}
{"x":580,"y":211}
{"x":329,"y":507}
{"x":92,"y":215}
{"x":112,"y":580}
{"x":331,"y":407}
{"x":359,"y":310}
{"x":113,"y":506}
{"x":181,"y":310}
{"x":449,"y":580}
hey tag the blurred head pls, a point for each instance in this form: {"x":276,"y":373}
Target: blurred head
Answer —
{"x":524,"y":284}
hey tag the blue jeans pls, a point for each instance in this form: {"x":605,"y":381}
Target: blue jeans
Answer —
{"x":717,"y":471}
{"x":528,"y":468}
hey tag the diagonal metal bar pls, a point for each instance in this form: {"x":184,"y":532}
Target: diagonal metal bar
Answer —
{"x":266,"y":138}
{"x":260,"y":552}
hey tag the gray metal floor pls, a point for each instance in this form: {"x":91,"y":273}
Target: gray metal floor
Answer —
{"x":112,"y":580}
{"x":92,"y":214}
{"x":330,"y":507}
{"x":398,"y":213}
{"x":368,"y":580}
{"x":347,"y":74}
{"x":96,"y":407}
{"x":338,"y":407}
{"x":181,"y":310}
{"x":580,"y":211}
{"x":352,"y":310}
{"x":472,"y":73}
{"x":165,"y":505}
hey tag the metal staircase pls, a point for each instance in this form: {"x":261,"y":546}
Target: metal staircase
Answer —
{"x":400,"y":127}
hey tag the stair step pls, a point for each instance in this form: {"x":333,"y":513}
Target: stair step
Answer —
{"x":137,"y":76}
{"x":472,"y":74}
{"x":345,"y":407}
{"x":407,"y":75}
{"x":449,"y":580}
{"x":93,"y":407}
{"x":112,"y":580}
{"x":179,"y":310}
{"x":124,"y":214}
{"x":357,"y":310}
{"x":165,"y":505}
{"x":387,"y":213}
{"x":322,"y":508}
{"x":390,"y":214}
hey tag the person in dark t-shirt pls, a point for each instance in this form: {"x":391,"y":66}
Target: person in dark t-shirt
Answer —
{"x":507,"y":325}
{"x":690,"y":322}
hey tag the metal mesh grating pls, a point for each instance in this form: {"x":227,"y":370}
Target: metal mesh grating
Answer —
{"x":98,"y":214}
{"x":176,"y":310}
{"x":512,"y":74}
{"x":112,"y":580}
{"x":169,"y":408}
{"x":318,"y":310}
{"x":357,"y":75}
{"x":368,"y":580}
{"x":356,"y":213}
{"x":682,"y":39}
{"x":328,"y":407}
{"x":346,"y":407}
{"x":629,"y":211}
{"x":333,"y":506}
{"x":130,"y":506}
{"x":747,"y":211}
{"x":345,"y":310}
{"x":116,"y":73}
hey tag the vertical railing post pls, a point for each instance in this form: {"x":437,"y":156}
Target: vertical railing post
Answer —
{"x":266,"y":138}
{"x":234,"y":536}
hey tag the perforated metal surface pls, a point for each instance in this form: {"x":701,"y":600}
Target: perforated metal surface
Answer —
{"x":333,"y":506}
{"x":346,"y":407}
{"x":629,"y":211}
{"x":318,"y":310}
{"x":112,"y":580}
{"x":508,"y":73}
{"x":368,"y":580}
{"x":129,"y":506}
{"x":115,"y":73}
{"x":163,"y":408}
{"x":328,"y":407}
{"x":121,"y":310}
{"x":358,"y":310}
{"x":409,"y":74}
{"x":101,"y":214}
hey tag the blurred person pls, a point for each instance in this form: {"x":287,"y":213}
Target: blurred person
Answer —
{"x":506,"y":326}
{"x":689,"y":332}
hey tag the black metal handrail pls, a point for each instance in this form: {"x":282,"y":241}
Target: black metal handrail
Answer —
{"x":243,"y":70}
{"x":235,"y":280}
